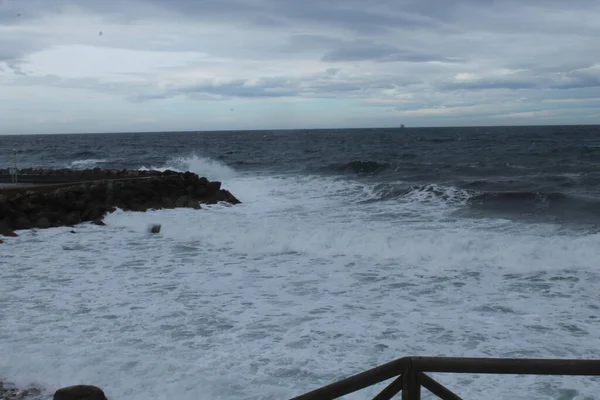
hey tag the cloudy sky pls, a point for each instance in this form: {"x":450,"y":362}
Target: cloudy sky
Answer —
{"x":139,"y":65}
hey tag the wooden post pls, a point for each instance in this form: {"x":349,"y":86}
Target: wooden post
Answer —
{"x":411,"y":385}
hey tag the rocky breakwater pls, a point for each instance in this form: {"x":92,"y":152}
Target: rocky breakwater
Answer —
{"x":68,"y":204}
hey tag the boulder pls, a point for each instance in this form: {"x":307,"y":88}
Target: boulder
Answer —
{"x":23,"y":223}
{"x":212,"y":188}
{"x":6,"y":228}
{"x":43,"y":223}
{"x":168,"y":202}
{"x":155,"y":228}
{"x":72,"y":218}
{"x":98,"y":222}
{"x":193,"y":203}
{"x":182,"y":201}
{"x":80,"y":392}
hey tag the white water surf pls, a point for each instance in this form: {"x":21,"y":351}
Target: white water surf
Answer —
{"x":302,"y":284}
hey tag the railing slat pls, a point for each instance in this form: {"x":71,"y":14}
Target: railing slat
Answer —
{"x":391,"y":390}
{"x":437,"y":388}
{"x":411,"y":385}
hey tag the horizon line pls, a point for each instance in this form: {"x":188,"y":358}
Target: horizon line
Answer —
{"x":403,"y":127}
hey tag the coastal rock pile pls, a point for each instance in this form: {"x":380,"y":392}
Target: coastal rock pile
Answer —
{"x":71,"y":203}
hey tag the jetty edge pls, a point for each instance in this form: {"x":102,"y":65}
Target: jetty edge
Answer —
{"x":46,"y":198}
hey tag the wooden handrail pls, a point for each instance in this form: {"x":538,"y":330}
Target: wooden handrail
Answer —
{"x":411,"y":372}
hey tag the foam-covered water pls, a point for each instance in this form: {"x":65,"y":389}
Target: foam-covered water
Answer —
{"x":314,"y":277}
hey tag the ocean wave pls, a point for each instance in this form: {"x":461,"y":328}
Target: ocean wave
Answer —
{"x":203,"y":166}
{"x":427,"y":193}
{"x":514,"y":201}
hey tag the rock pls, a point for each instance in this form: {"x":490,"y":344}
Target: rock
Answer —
{"x":80,"y":392}
{"x":73,"y":232}
{"x":23,"y":223}
{"x":155,"y":228}
{"x":89,"y":202}
{"x":98,"y":222}
{"x":168,"y":202}
{"x":1,"y":241}
{"x":93,"y":212}
{"x":72,"y":218}
{"x":182,"y":201}
{"x":43,"y":223}
{"x":212,"y":188}
{"x":193,"y":203}
{"x":5,"y":228}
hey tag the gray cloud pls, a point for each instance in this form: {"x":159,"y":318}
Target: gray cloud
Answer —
{"x":393,"y":54}
{"x":328,"y":84}
{"x":531,"y":79}
{"x":360,"y":50}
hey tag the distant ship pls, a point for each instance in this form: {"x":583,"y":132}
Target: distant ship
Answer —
{"x":402,"y":126}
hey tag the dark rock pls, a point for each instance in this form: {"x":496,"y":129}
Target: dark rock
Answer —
{"x":223,"y":196}
{"x":6,"y":228}
{"x":79,"y":202}
{"x":182,"y":201}
{"x":72,"y":218}
{"x":43,"y":223}
{"x":80,"y":392}
{"x":1,"y":241}
{"x":200,"y":191}
{"x":212,"y":188}
{"x":168,"y":202}
{"x":155,"y":228}
{"x":80,"y":205}
{"x":93,"y":212}
{"x":72,"y":231}
{"x":98,"y":222}
{"x":192,"y":203}
{"x":23,"y":223}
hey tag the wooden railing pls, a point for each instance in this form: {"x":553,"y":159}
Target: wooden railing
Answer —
{"x":410,"y":373}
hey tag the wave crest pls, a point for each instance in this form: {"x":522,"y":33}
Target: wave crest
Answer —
{"x":202,"y":166}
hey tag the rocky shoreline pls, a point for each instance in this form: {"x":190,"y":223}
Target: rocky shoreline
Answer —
{"x":10,"y":392}
{"x":70,"y":197}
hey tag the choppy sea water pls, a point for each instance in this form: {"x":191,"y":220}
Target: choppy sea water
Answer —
{"x":351,"y":249}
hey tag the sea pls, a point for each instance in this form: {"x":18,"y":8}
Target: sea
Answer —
{"x":351,"y":248}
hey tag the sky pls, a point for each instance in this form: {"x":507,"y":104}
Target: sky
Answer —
{"x":71,"y":66}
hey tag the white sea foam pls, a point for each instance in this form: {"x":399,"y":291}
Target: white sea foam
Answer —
{"x":87,"y":163}
{"x":300,"y":285}
{"x":202,"y":166}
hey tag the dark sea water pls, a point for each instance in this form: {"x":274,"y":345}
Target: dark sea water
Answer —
{"x":544,"y":173}
{"x":351,"y":248}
